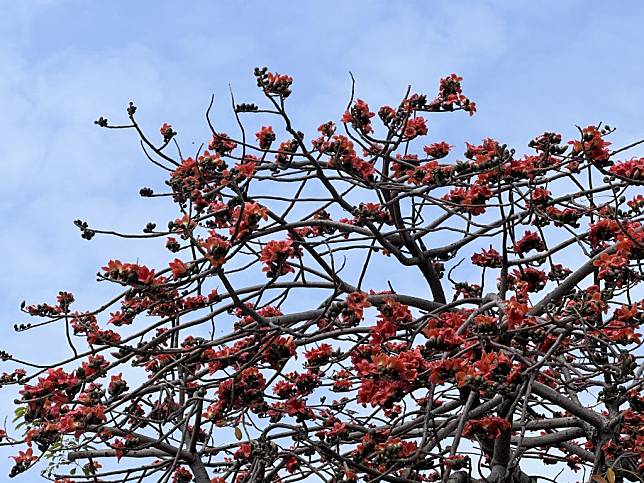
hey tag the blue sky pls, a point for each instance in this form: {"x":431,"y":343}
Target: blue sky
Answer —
{"x":531,"y":67}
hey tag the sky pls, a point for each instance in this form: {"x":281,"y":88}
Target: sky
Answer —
{"x":530,"y":66}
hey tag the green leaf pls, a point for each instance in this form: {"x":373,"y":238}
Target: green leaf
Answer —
{"x":19,"y":412}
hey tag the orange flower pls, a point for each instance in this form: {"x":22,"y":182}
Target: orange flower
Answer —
{"x":179,"y":269}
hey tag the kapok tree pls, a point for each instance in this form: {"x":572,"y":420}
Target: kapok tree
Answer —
{"x":352,"y":308}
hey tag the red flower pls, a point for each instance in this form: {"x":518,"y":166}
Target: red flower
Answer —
{"x":392,"y":314}
{"x":181,"y":475}
{"x":278,"y":84}
{"x":371,"y":212}
{"x":387,"y":379}
{"x":355,"y":304}
{"x":567,"y":216}
{"x":327,"y":129}
{"x":179,"y":269}
{"x":450,"y":96}
{"x":319,"y":356}
{"x":527,"y":279}
{"x":484,"y":153}
{"x":183,"y":225}
{"x":244,"y":451}
{"x":611,"y":266}
{"x":108,"y":337}
{"x":246,"y":170}
{"x":619,"y":332}
{"x":415,"y":127}
{"x":386,"y":114}
{"x":490,"y":427}
{"x":216,"y":248}
{"x":603,"y":230}
{"x":540,"y":196}
{"x":515,"y":312}
{"x":442,"y":338}
{"x":25,"y":457}
{"x":130,"y":273}
{"x":284,"y":389}
{"x":265,"y":136}
{"x":591,"y":145}
{"x":296,"y":407}
{"x":632,"y":169}
{"x":172,"y":244}
{"x":470,"y":200}
{"x":343,"y":155}
{"x":274,"y":256}
{"x":279,"y":350}
{"x":245,"y":220}
{"x":487,"y":258}
{"x":167,"y":132}
{"x":637,"y":203}
{"x":65,"y":299}
{"x":292,"y":464}
{"x":359,"y":116}
{"x":117,"y":385}
{"x":529,"y":241}
{"x":437,"y":150}
{"x":221,"y":144}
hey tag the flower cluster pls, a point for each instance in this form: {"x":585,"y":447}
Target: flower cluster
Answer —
{"x":131,"y":273}
{"x":319,"y":356}
{"x":245,"y":219}
{"x":529,"y":241}
{"x":485,"y":153}
{"x":490,"y":427}
{"x":392,"y":315}
{"x":246,"y":390}
{"x":371,"y":212}
{"x":386,"y":379}
{"x":215,"y":247}
{"x":566,"y":216}
{"x":602,"y":231}
{"x":631,"y":169}
{"x":487,"y":258}
{"x":612,"y":268}
{"x":450,"y":96}
{"x":415,"y":127}
{"x":437,"y":150}
{"x":420,"y":174}
{"x":354,"y":307}
{"x":265,"y":137}
{"x":167,"y":132}
{"x":275,"y":255}
{"x":279,"y":351}
{"x":527,"y":279}
{"x":592,"y":145}
{"x":221,"y":144}
{"x":343,"y":155}
{"x":273,"y":83}
{"x":359,"y":116}
{"x":470,"y":200}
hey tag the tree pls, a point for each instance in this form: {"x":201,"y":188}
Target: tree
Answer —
{"x":277,"y":344}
